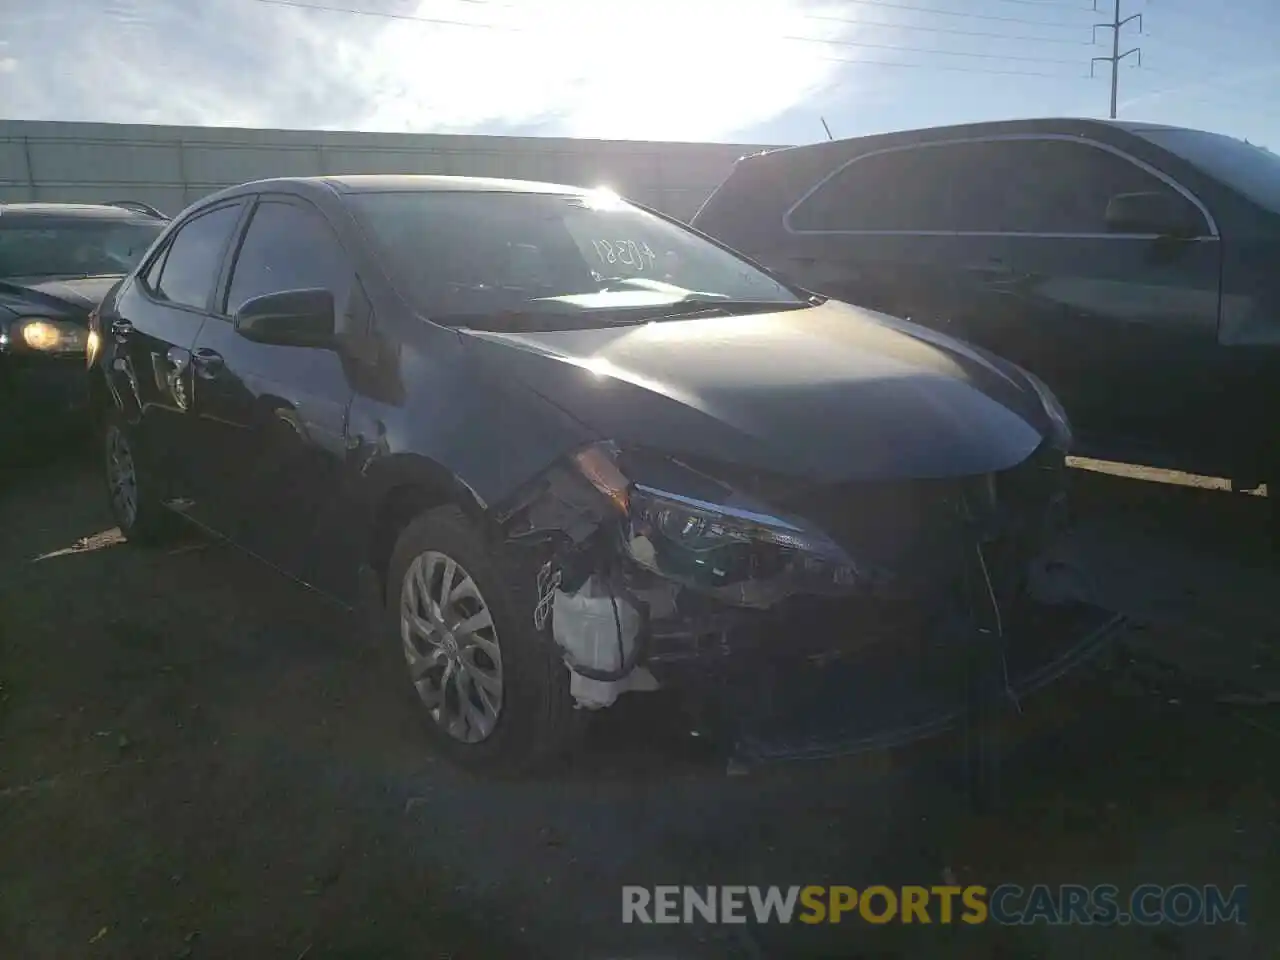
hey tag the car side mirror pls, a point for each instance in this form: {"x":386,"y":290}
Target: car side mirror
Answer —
{"x":291,"y":318}
{"x":1160,"y":213}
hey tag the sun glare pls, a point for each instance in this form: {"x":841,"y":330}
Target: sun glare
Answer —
{"x":667,"y":69}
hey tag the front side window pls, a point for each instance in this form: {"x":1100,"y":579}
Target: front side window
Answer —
{"x":195,"y":254}
{"x":65,"y":247}
{"x":471,"y":257}
{"x":288,"y":247}
{"x":1049,"y":186}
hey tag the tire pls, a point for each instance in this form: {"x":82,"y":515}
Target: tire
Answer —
{"x":142,"y":518}
{"x":535,"y":723}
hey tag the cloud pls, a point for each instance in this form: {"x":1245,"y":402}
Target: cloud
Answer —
{"x":658,"y":69}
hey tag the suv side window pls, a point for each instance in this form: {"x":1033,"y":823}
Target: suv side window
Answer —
{"x":907,"y":190}
{"x":190,"y":268}
{"x":1046,"y":186}
{"x":289,"y":246}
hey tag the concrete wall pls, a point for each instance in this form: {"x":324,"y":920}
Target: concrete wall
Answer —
{"x":170,"y":167}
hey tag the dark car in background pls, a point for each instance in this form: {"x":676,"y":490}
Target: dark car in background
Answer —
{"x":57,"y":261}
{"x":1134,"y":268}
{"x":566,"y":448}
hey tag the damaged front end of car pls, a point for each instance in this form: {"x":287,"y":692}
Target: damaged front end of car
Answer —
{"x":814,"y":620}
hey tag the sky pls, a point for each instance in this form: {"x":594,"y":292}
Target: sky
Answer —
{"x":746,"y":71}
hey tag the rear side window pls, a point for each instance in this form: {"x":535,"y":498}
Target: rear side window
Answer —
{"x":899,"y":190}
{"x":288,"y":247}
{"x":1029,"y":186}
{"x":191,"y":266}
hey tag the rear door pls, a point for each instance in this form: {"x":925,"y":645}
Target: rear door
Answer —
{"x":271,"y":419}
{"x":153,"y":326}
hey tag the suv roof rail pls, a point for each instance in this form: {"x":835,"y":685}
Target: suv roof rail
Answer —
{"x":137,"y":206}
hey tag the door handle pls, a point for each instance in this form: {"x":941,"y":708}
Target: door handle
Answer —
{"x":179,"y":359}
{"x":121,"y":329}
{"x":208,"y":363}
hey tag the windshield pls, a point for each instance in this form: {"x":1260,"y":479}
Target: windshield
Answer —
{"x":468,"y":257}
{"x":1253,"y":171}
{"x":49,"y":247}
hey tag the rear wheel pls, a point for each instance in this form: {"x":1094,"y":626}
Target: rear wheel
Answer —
{"x":493,"y":690}
{"x":132,"y":491}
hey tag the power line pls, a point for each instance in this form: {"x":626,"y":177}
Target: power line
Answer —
{"x":887,"y":4}
{"x":507,"y":28}
{"x":930,"y":50}
{"x":891,"y":5}
{"x":386,"y":15}
{"x":947,"y":30}
{"x":951,"y":69}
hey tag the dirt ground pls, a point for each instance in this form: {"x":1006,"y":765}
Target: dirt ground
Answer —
{"x":199,"y":759}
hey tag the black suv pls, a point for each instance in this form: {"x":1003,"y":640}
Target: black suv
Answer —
{"x":1132,"y":267}
{"x":567,"y":448}
{"x":57,"y":260}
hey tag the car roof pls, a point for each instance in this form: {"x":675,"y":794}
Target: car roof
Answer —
{"x":402,"y":183}
{"x":65,"y":211}
{"x":1047,"y":125}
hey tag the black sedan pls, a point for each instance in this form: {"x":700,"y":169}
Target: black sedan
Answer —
{"x":567,"y":448}
{"x":57,"y":261}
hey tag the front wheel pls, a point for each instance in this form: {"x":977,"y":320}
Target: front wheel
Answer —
{"x":131,"y":490}
{"x":493,"y":689}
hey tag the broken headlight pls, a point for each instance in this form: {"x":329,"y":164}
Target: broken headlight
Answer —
{"x":729,"y":547}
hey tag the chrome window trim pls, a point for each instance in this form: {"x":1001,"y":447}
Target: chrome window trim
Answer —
{"x":1160,"y":175}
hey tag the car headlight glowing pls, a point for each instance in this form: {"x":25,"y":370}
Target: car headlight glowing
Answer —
{"x":49,"y":336}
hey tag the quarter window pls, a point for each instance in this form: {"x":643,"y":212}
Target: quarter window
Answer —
{"x":152,"y":275}
{"x":190,"y":268}
{"x":288,"y":247}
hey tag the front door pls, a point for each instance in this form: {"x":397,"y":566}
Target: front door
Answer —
{"x":271,"y":420}
{"x":152,"y":328}
{"x":1123,"y":326}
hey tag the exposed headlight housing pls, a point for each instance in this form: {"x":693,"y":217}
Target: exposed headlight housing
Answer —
{"x":42,"y":335}
{"x":734,"y":549}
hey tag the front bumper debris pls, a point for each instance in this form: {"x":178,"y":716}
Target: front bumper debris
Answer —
{"x":778,"y":710}
{"x":956,"y":631}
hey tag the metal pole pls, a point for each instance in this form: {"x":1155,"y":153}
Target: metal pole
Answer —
{"x":1115,"y":26}
{"x":1115,"y":59}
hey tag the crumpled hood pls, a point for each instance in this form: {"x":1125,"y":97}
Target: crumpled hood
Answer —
{"x":829,"y":393}
{"x":72,"y":297}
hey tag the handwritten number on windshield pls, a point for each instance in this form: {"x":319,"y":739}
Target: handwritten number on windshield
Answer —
{"x":626,"y":252}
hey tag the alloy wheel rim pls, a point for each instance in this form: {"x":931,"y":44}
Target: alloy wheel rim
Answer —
{"x":451,"y":647}
{"x":122,"y":476}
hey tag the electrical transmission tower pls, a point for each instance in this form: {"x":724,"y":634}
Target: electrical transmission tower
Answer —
{"x":1115,"y":26}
